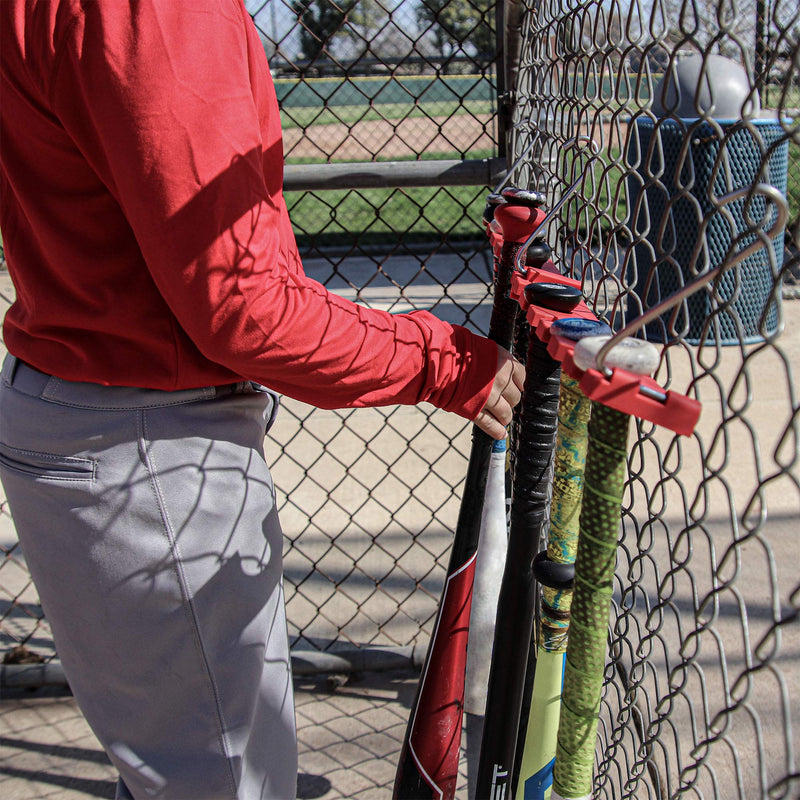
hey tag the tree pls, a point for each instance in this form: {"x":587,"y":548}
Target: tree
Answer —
{"x":369,"y":28}
{"x":457,"y":24}
{"x":348,"y":29}
{"x":320,"y":21}
{"x":726,"y":27}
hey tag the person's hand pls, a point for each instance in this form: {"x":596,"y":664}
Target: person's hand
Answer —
{"x":505,"y":394}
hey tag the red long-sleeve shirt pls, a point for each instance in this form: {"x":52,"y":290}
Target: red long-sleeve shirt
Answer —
{"x":144,"y":224}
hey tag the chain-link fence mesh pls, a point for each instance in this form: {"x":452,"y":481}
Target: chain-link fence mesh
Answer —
{"x":701,"y":690}
{"x":368,"y":499}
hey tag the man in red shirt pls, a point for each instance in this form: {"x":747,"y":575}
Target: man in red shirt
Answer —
{"x":160,"y":306}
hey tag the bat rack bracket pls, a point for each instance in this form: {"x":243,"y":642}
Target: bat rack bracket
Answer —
{"x":637,"y":395}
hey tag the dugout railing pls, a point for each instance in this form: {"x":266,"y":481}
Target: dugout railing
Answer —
{"x":387,"y":176}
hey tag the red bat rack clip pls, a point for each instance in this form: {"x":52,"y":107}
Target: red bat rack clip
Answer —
{"x":638,"y":395}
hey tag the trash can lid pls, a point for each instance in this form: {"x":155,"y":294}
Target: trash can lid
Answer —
{"x":712,"y":85}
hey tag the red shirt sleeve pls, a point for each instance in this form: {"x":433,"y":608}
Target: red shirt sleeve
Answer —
{"x":172,"y":105}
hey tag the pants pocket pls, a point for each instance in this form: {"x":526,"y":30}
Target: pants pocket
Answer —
{"x":46,"y":466}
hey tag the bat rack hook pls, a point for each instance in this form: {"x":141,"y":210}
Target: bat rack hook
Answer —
{"x":763,"y":239}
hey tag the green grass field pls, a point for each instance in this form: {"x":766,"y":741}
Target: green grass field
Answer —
{"x":366,"y":216}
{"x":409,"y":215}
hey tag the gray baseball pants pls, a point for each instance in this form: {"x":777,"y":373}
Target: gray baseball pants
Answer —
{"x":148,"y":522}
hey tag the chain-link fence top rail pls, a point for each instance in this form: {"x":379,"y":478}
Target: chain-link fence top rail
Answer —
{"x":701,"y":695}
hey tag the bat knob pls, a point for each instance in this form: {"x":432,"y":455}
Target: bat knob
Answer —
{"x":538,"y":253}
{"x":523,"y":197}
{"x":634,"y":355}
{"x":576,"y":328}
{"x":555,"y":296}
{"x":492,"y":201}
{"x":553,"y":574}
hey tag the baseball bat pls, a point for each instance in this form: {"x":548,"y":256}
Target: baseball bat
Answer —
{"x":554,"y":569}
{"x":428,"y":762}
{"x":606,"y":465}
{"x":493,"y":543}
{"x":535,"y":448}
{"x":489,"y":565}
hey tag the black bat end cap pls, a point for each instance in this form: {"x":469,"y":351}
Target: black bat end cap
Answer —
{"x":538,"y":253}
{"x":555,"y":296}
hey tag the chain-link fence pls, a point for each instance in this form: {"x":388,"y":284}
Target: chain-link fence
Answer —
{"x":390,"y":137}
{"x":398,"y":118}
{"x":391,"y":141}
{"x":701,"y":690}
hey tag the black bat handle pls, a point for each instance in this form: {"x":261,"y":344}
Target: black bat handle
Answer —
{"x":533,"y":470}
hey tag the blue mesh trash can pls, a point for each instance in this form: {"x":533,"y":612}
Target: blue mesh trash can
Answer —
{"x":666,"y":223}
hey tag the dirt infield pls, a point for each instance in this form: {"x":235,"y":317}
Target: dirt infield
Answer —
{"x":410,"y":137}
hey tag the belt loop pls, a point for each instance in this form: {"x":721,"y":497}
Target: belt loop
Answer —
{"x":10,"y":368}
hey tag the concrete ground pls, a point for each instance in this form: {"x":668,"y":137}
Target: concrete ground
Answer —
{"x":349,"y":737}
{"x":350,"y":731}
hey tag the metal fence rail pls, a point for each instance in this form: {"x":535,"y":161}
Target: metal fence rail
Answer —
{"x":395,"y":116}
